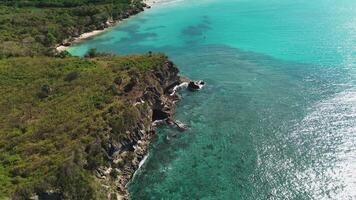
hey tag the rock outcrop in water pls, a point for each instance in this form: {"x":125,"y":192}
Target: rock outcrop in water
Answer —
{"x":195,"y":85}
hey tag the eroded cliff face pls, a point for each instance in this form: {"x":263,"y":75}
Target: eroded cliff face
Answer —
{"x":151,"y":99}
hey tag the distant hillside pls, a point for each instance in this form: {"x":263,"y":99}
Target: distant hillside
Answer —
{"x":29,"y":28}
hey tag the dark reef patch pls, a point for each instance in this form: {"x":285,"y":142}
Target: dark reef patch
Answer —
{"x":199,"y":29}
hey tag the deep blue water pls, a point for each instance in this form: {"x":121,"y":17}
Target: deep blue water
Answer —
{"x":277,"y":119}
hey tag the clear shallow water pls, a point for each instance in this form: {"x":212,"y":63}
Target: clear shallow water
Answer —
{"x":277,"y":119}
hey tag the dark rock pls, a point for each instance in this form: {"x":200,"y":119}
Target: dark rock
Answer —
{"x":169,"y":88}
{"x":195,"y":85}
{"x":128,"y":87}
{"x":159,"y":115}
{"x":118,"y":80}
{"x":50,"y":196}
{"x":67,"y":44}
{"x":192,"y":86}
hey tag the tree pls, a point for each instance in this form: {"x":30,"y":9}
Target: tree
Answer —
{"x":64,"y":54}
{"x":51,"y":40}
{"x":74,"y":182}
{"x":91,"y":53}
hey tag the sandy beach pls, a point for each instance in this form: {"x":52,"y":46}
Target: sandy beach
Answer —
{"x":151,"y":2}
{"x":88,"y":35}
{"x":154,"y":2}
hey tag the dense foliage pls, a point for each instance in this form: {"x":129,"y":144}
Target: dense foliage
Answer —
{"x":53,"y":112}
{"x":33,"y":27}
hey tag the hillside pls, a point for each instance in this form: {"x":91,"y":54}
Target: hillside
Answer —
{"x":72,"y":125}
{"x":35,"y":27}
{"x":74,"y":128}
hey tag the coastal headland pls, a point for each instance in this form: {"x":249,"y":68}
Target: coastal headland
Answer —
{"x":71,"y":127}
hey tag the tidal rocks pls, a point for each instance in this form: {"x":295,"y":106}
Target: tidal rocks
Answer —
{"x":180,"y":125}
{"x":196,"y":85}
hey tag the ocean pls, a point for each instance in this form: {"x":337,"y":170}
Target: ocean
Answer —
{"x":277,"y":117}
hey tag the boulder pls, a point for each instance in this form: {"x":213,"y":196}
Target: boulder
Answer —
{"x":195,"y":85}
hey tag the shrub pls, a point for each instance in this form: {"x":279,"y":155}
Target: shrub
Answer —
{"x":51,"y":40}
{"x":114,"y":173}
{"x":91,"y":53}
{"x":71,"y":76}
{"x":94,"y":157}
{"x":64,"y":54}
{"x":74,"y":182}
{"x":22,"y":193}
{"x":44,"y":92}
{"x":118,"y":80}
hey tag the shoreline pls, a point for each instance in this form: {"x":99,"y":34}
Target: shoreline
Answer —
{"x":66,"y":44}
{"x":140,"y":152}
{"x":83,"y":37}
{"x":166,"y":104}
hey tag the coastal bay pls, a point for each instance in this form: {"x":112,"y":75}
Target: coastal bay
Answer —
{"x":177,"y":99}
{"x":275,"y":119}
{"x":108,"y":24}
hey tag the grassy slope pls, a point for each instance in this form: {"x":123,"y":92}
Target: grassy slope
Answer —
{"x":54,"y":110}
{"x":51,"y":109}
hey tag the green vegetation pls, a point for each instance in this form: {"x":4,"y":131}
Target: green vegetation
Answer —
{"x":53,"y":112}
{"x":57,"y":112}
{"x":34,"y":27}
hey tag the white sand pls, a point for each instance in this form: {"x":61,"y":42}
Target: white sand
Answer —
{"x":61,"y":48}
{"x":82,"y":37}
{"x":91,"y":34}
{"x":151,"y":2}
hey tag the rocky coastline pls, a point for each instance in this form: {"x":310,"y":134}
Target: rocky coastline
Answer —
{"x":131,"y":94}
{"x":153,"y":98}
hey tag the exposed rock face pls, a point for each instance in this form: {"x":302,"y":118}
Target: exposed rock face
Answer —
{"x":192,"y":86}
{"x":151,"y":98}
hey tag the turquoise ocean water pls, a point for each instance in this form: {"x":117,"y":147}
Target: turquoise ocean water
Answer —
{"x":277,"y":119}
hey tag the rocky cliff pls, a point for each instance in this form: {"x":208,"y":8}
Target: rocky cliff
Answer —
{"x":151,"y":98}
{"x":75,"y":128}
